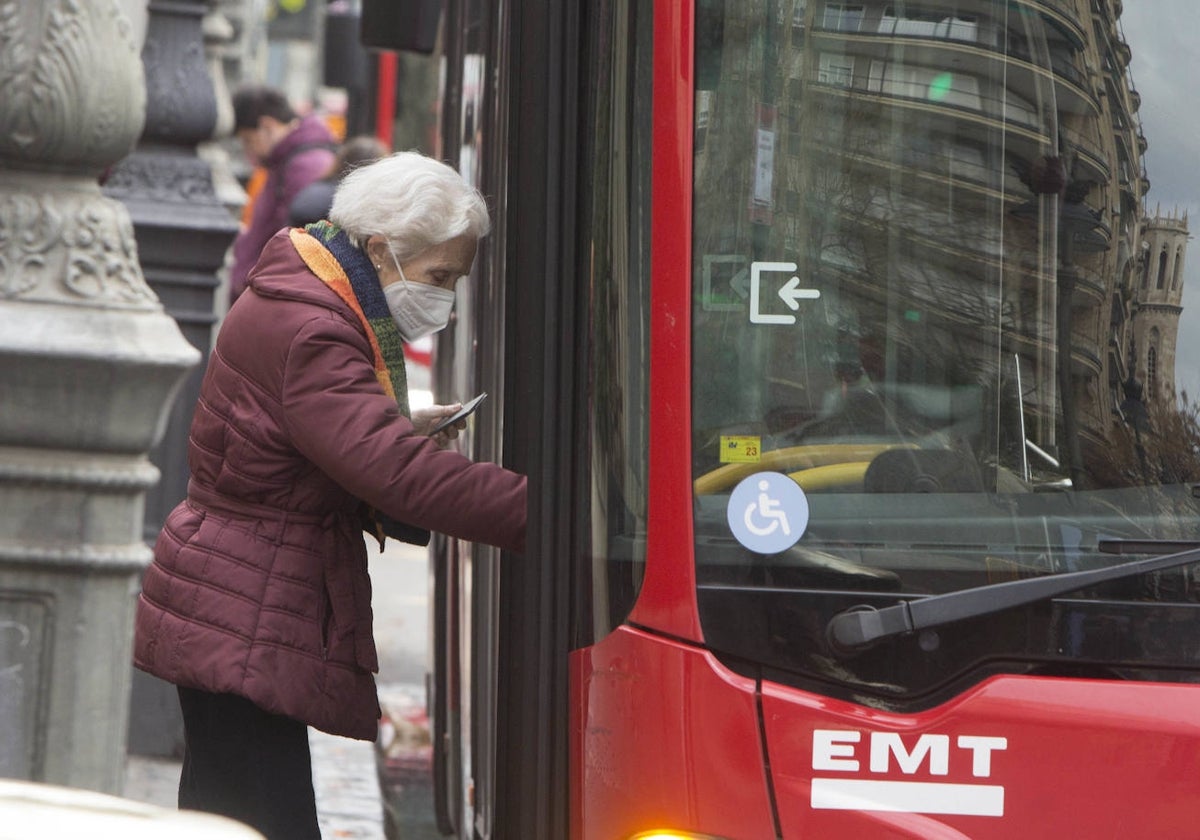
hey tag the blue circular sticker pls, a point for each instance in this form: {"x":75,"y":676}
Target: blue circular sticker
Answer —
{"x":768,"y":512}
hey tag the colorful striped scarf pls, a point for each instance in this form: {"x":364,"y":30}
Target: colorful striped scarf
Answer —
{"x":329,"y":254}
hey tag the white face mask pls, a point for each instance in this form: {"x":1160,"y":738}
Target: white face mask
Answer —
{"x":418,"y":309}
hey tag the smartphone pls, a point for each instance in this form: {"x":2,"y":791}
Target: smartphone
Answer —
{"x":468,"y":407}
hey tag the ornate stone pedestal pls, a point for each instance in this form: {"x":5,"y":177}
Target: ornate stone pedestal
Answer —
{"x":89,"y":364}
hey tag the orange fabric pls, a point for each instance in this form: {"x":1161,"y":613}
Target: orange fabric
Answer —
{"x":253,"y":188}
{"x":337,"y":126}
{"x":322,"y":263}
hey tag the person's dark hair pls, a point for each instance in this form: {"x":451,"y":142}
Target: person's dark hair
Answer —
{"x":253,"y":102}
{"x":312,"y":203}
{"x":358,"y":151}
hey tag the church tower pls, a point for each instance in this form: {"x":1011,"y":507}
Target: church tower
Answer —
{"x":1157,"y":303}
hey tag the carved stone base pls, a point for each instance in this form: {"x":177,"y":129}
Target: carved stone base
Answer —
{"x":70,"y":563}
{"x":89,"y":365}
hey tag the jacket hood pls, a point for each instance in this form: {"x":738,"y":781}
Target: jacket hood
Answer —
{"x":281,"y":273}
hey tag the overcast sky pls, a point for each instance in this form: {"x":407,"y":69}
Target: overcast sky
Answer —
{"x":1165,"y":70}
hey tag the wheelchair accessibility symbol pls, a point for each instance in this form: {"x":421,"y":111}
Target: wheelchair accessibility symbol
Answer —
{"x":768,"y":512}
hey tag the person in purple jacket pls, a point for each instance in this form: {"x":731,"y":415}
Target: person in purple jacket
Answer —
{"x":257,"y":605}
{"x":295,"y":151}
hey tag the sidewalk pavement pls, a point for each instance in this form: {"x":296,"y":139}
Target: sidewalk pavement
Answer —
{"x":350,"y":805}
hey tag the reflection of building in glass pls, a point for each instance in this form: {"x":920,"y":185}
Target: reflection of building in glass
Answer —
{"x":1157,"y":304}
{"x":964,"y":183}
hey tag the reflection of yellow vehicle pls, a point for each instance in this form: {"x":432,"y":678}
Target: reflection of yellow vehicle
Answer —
{"x":30,"y":810}
{"x":813,"y":467}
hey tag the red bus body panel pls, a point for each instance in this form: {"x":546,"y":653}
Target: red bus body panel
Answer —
{"x":663,"y":737}
{"x":1082,"y":759}
{"x":668,"y":596}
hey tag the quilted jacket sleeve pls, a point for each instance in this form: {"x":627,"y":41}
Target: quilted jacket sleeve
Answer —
{"x":338,"y":417}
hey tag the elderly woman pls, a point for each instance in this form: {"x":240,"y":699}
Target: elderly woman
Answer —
{"x":258,"y":602}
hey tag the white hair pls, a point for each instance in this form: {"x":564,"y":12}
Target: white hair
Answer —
{"x":413,"y":201}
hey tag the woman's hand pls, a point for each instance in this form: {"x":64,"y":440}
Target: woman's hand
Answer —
{"x":424,"y":419}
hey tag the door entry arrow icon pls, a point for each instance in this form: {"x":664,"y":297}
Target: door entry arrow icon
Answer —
{"x":791,"y":293}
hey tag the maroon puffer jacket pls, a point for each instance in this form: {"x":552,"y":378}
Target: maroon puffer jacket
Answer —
{"x":259,"y":584}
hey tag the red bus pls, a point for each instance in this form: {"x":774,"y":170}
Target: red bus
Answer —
{"x":841,"y":343}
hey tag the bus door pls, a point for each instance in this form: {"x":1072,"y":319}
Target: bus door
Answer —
{"x":469,"y":358}
{"x":498,"y":691}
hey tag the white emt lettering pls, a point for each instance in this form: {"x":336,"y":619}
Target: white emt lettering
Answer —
{"x":838,"y":751}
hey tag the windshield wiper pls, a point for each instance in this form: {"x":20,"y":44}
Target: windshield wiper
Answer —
{"x":860,"y":626}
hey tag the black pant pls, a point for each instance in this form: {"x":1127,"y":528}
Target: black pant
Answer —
{"x":248,"y":764}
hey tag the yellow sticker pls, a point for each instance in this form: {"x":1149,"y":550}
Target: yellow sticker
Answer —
{"x":741,"y":449}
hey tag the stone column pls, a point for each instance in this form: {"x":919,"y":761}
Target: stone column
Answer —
{"x":183,"y":231}
{"x":89,"y":365}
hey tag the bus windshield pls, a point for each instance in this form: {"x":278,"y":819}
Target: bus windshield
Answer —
{"x":940,"y":334}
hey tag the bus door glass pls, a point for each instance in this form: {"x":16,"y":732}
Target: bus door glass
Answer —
{"x":468,"y":354}
{"x":944,"y":337}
